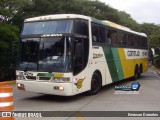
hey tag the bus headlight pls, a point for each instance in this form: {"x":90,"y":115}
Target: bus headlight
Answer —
{"x":20,"y":86}
{"x":58,"y":88}
{"x":60,"y":79}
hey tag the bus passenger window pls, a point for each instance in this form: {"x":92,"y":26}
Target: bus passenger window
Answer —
{"x":121,"y":38}
{"x":102,"y":34}
{"x":108,"y":41}
{"x":124,"y":41}
{"x":144,"y":43}
{"x":112,"y":37}
{"x":132,"y":40}
{"x":95,"y":33}
{"x":81,"y":27}
{"x":128,"y":39}
{"x":136,"y":42}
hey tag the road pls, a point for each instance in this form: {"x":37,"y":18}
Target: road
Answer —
{"x":148,"y":99}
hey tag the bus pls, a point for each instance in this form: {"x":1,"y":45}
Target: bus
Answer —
{"x":68,"y":54}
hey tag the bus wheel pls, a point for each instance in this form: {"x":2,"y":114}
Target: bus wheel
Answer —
{"x":95,"y":84}
{"x":140,"y":70}
{"x":136,"y":73}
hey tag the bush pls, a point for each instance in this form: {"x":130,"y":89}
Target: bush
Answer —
{"x":157,"y":61}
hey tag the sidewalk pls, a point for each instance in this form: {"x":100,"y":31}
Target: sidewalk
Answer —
{"x":157,"y":70}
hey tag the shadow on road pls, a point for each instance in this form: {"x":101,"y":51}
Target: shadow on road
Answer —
{"x":55,"y":98}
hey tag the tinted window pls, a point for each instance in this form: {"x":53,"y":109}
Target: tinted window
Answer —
{"x":132,"y":40}
{"x":121,"y":38}
{"x":95,"y":33}
{"x":144,"y":43}
{"x":102,"y":34}
{"x":136,"y":42}
{"x":81,"y":27}
{"x":112,"y":37}
{"x":80,"y":54}
{"x":47,"y":27}
{"x":128,"y":40}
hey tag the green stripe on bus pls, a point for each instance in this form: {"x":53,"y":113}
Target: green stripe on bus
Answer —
{"x":44,"y":74}
{"x":118,"y":64}
{"x":111,"y":64}
{"x":99,"y":22}
{"x":114,"y":64}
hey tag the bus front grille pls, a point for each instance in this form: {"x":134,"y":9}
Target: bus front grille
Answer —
{"x":44,"y":78}
{"x":31,"y":77}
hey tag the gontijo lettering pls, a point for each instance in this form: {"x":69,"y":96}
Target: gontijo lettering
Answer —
{"x":133,"y":53}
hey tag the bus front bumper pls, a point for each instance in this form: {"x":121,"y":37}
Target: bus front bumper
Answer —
{"x":62,"y":89}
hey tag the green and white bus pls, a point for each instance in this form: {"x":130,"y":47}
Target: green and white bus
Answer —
{"x":67,"y":54}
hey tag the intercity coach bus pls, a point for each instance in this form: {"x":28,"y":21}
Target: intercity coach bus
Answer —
{"x":67,"y":54}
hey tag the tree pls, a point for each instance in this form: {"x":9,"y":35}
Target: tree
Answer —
{"x":8,"y":35}
{"x":155,"y":39}
{"x":148,"y":28}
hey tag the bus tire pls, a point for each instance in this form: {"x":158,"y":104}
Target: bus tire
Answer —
{"x":95,"y":84}
{"x":136,"y":72}
{"x":140,"y":70}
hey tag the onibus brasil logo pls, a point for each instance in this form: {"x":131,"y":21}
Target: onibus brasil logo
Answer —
{"x":132,"y":89}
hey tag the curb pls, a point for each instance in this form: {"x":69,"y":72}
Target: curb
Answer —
{"x":156,"y":70}
{"x":11,"y":82}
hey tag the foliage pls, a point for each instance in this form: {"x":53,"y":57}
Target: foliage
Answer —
{"x":155,"y":39}
{"x":8,"y":36}
{"x":157,"y":62}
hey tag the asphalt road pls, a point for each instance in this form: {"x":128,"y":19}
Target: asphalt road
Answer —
{"x":148,"y":99}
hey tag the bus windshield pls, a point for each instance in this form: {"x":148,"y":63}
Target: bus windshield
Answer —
{"x":46,"y":54}
{"x":47,"y":27}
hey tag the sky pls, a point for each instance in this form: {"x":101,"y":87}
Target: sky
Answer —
{"x":147,"y":11}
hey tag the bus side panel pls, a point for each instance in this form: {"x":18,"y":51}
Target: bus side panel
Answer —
{"x":145,"y":64}
{"x":118,"y":64}
{"x":114,"y":63}
{"x":127,"y":65}
{"x":101,"y":65}
{"x":82,"y":81}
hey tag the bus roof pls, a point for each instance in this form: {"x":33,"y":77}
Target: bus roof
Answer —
{"x":67,"y":16}
{"x":56,"y":16}
{"x":120,"y":27}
